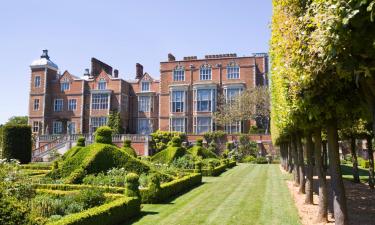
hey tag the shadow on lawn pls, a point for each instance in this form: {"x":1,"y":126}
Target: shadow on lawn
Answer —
{"x":141,"y":214}
{"x":360,"y":198}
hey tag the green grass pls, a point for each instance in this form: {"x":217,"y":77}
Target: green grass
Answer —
{"x":246,"y":194}
{"x":347,"y":172}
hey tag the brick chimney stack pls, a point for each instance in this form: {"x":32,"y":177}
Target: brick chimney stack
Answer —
{"x":115,"y":73}
{"x":171,"y":57}
{"x":138,"y":71}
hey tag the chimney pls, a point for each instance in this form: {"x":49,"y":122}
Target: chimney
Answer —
{"x":138,"y":71}
{"x":115,"y":73}
{"x":171,"y":57}
{"x":45,"y":54}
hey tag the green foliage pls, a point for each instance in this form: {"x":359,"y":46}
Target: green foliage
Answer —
{"x":111,"y":213}
{"x":128,"y":148}
{"x":103,"y":135}
{"x":256,"y":130}
{"x":114,"y":122}
{"x":199,"y":151}
{"x":17,"y":120}
{"x":132,"y":184}
{"x":168,"y":155}
{"x":157,"y":193}
{"x":114,"y":177}
{"x":246,"y":146}
{"x":17,"y":142}
{"x":199,"y":142}
{"x":81,"y":142}
{"x":160,"y":139}
{"x":97,"y":158}
{"x":12,"y":211}
{"x":214,"y":136}
{"x":363,"y":162}
{"x":91,"y":197}
{"x":261,"y":160}
{"x":249,"y":159}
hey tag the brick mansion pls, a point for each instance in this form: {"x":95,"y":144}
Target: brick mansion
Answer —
{"x":184,"y":99}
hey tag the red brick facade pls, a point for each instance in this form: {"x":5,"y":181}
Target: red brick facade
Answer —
{"x":184,"y":99}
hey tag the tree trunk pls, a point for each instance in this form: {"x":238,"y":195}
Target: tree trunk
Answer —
{"x":301,"y":166}
{"x":338,"y":190}
{"x":310,"y":168}
{"x":354,"y":160}
{"x":322,"y":216}
{"x":371,"y":162}
{"x":325,"y":156}
{"x":295,"y":161}
{"x":290,"y":158}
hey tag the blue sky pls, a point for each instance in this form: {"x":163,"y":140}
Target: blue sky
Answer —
{"x":120,"y":33}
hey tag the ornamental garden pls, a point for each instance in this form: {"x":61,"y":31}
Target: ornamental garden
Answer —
{"x":104,"y":184}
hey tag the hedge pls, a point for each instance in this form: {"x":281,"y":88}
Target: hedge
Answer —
{"x":171,"y":189}
{"x":72,"y":187}
{"x":17,"y":142}
{"x":168,"y":155}
{"x":37,"y":166}
{"x":109,"y":196}
{"x":216,"y":171}
{"x":114,"y":213}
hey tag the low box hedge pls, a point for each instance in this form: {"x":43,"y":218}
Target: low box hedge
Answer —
{"x":37,"y":166}
{"x":109,"y":196}
{"x":114,"y":213}
{"x":171,"y":189}
{"x":72,"y":187}
{"x":215,"y":172}
{"x":232,"y":164}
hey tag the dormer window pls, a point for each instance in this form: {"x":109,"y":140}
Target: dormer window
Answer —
{"x":65,"y":85}
{"x":205,"y":72}
{"x":233,"y":71}
{"x":145,"y":86}
{"x":179,"y":74}
{"x":102,"y":84}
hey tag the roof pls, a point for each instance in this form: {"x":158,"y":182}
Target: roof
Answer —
{"x":44,"y":62}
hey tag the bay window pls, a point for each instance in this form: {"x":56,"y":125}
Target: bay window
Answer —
{"x":177,"y":124}
{"x":205,"y":100}
{"x":144,"y":103}
{"x":178,"y":100}
{"x":202,"y":124}
{"x":99,"y":101}
{"x":97,"y":122}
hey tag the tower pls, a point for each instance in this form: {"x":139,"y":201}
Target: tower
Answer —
{"x":43,"y":72}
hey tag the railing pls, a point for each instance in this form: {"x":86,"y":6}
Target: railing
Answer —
{"x":54,"y":144}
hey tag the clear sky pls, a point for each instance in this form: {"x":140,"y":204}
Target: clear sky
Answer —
{"x":120,"y":33}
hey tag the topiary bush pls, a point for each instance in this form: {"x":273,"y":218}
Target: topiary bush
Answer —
{"x":160,"y":139}
{"x":17,"y":143}
{"x":199,"y":142}
{"x":131,"y":185}
{"x":103,"y":135}
{"x":171,"y":153}
{"x":81,"y":142}
{"x":199,"y":151}
{"x":97,"y":158}
{"x":249,"y":159}
{"x":261,"y":160}
{"x":152,"y":194}
{"x":128,"y":148}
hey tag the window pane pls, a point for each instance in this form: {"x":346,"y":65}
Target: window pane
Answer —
{"x":99,"y":101}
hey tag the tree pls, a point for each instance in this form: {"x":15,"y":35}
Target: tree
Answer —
{"x":17,"y":120}
{"x":114,"y":122}
{"x":251,"y":104}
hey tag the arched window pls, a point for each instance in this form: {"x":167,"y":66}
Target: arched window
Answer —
{"x":205,"y":72}
{"x":179,"y":74}
{"x":102,"y":85}
{"x":233,"y":71}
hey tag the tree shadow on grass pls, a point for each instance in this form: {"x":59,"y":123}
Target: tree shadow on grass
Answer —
{"x":360,"y":201}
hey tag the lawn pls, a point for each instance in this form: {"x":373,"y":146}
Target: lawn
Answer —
{"x":246,"y":194}
{"x":347,"y":172}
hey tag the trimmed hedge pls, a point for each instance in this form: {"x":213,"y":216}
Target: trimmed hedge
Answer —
{"x":17,"y":142}
{"x":169,"y":154}
{"x":171,"y":189}
{"x":216,"y":171}
{"x":97,"y":158}
{"x":128,"y":148}
{"x":37,"y":166}
{"x":74,"y":187}
{"x":114,"y":213}
{"x":103,"y":135}
{"x":108,"y":196}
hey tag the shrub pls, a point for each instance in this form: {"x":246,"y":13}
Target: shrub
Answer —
{"x":98,"y":158}
{"x":160,"y":139}
{"x":128,"y":148}
{"x":198,"y":167}
{"x":199,"y":142}
{"x":199,"y":150}
{"x":249,"y":159}
{"x":348,"y":157}
{"x":111,"y":213}
{"x":152,"y":193}
{"x":103,"y":135}
{"x":168,"y":155}
{"x":12,"y":211}
{"x":261,"y":160}
{"x":91,"y":197}
{"x":176,"y":141}
{"x":131,"y":187}
{"x":81,"y":142}
{"x":214,"y":136}
{"x":17,"y":142}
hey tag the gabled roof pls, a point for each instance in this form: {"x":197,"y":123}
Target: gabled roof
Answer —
{"x":66,"y":73}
